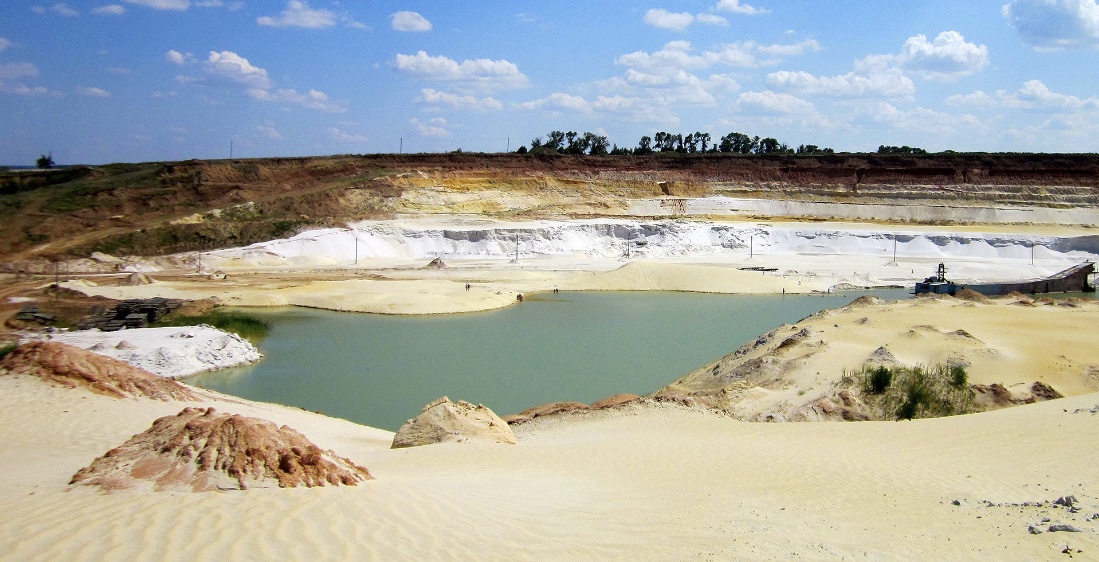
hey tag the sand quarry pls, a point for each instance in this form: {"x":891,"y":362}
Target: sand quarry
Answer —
{"x":646,"y":480}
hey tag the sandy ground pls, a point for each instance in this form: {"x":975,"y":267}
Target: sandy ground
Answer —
{"x":650,"y":483}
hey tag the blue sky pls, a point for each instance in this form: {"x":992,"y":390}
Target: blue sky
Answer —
{"x":137,"y":80}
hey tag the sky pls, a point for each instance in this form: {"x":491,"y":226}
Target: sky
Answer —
{"x":104,"y":81}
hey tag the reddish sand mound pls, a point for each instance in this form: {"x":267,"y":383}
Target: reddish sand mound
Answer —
{"x":201,"y":450}
{"x":74,"y":367}
{"x":971,"y":295}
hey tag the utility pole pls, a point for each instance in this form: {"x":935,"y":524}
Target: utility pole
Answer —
{"x":894,"y":248}
{"x":509,"y":145}
{"x":401,"y":149}
{"x":751,"y":247}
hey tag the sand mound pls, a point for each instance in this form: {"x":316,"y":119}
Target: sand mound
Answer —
{"x":74,"y":367}
{"x":202,"y":450}
{"x":436,"y":263}
{"x":616,"y":400}
{"x":444,"y":421}
{"x":970,"y":295}
{"x":136,"y":279}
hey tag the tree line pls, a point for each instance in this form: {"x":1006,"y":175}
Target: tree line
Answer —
{"x":571,"y":142}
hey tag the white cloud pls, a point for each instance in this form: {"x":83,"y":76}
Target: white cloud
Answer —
{"x":773,"y":102}
{"x":299,"y":14}
{"x":232,"y":66}
{"x":409,"y":21}
{"x":479,"y":74}
{"x":791,"y":49}
{"x":949,"y":57}
{"x":17,"y":70}
{"x":976,"y":99}
{"x":712,"y":19}
{"x":658,"y":17}
{"x":175,"y":57}
{"x":558,"y":101}
{"x":268,"y":130}
{"x":312,"y":99}
{"x":434,"y":97}
{"x":110,"y":9}
{"x":344,"y":136}
{"x":177,"y":5}
{"x":22,"y":90}
{"x":888,"y":83}
{"x":920,"y":119}
{"x":1055,"y":24}
{"x":737,"y":7}
{"x":435,"y":127}
{"x":4,"y":43}
{"x":65,"y":10}
{"x":93,"y":92}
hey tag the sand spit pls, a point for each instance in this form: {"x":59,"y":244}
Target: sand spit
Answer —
{"x":443,"y":421}
{"x":174,"y":353}
{"x":202,"y":450}
{"x":73,"y":367}
{"x":810,"y":370}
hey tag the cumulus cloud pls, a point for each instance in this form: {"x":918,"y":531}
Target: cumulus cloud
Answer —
{"x":175,"y":57}
{"x":888,"y":83}
{"x":773,"y":102}
{"x":434,"y":97}
{"x":4,"y":43}
{"x":1055,"y":24}
{"x":920,"y":119}
{"x":268,"y":130}
{"x":1032,"y":95}
{"x":12,"y":70}
{"x":93,"y":92}
{"x":737,"y":7}
{"x":23,"y":90}
{"x":712,"y":19}
{"x":435,"y":127}
{"x":177,"y":5}
{"x":949,"y":57}
{"x":299,"y":14}
{"x":65,"y":10}
{"x":479,"y":74}
{"x":344,"y":136}
{"x":312,"y":99}
{"x":658,"y":17}
{"x":109,"y":9}
{"x":231,"y":66}
{"x":409,"y":21}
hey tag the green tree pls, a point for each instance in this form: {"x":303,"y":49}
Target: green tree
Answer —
{"x":45,"y":161}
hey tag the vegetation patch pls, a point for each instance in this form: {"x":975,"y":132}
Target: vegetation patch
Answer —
{"x":7,"y":348}
{"x":246,"y":326}
{"x":903,"y":393}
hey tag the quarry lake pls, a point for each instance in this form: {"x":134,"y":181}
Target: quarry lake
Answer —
{"x":380,"y":370}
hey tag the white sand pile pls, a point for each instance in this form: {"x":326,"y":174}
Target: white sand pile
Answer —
{"x":168,"y":352}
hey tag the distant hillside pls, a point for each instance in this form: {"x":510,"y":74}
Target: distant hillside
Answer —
{"x":164,"y":207}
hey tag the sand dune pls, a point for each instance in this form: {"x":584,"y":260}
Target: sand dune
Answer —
{"x":649,"y":482}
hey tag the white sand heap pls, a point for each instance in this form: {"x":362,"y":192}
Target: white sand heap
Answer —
{"x":201,"y":450}
{"x":443,"y":421}
{"x":169,"y":352}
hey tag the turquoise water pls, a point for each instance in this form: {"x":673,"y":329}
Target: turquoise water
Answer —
{"x":380,"y":370}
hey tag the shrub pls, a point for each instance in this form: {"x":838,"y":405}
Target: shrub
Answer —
{"x":880,"y":379}
{"x":7,"y":348}
{"x":246,"y":326}
{"x":958,"y":377}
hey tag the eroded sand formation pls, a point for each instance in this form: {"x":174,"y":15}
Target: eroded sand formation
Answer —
{"x":202,"y":450}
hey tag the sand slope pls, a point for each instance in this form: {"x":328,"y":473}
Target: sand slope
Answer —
{"x":650,"y":482}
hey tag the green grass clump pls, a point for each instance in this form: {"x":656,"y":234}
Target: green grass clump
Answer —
{"x":7,"y":348}
{"x":904,"y":393}
{"x":248,"y":327}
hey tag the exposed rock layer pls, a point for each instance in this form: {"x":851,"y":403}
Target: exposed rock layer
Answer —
{"x":444,"y":421}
